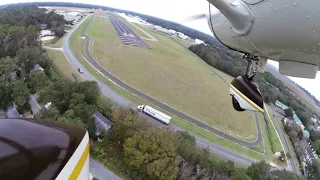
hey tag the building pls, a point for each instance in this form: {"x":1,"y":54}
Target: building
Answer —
{"x":281,"y":105}
{"x":44,"y":33}
{"x":306,"y":133}
{"x":101,"y":122}
{"x":37,"y":67}
{"x":298,"y":121}
{"x":43,"y":26}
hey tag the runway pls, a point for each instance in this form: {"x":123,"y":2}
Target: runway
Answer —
{"x":215,"y":148}
{"x":126,"y":35}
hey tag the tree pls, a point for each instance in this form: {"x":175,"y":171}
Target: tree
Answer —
{"x":37,"y":80}
{"x":239,"y":174}
{"x":51,"y":114}
{"x":153,"y":152}
{"x":259,"y":171}
{"x":27,"y":57}
{"x":7,"y":66}
{"x":224,"y":167}
{"x":316,"y":146}
{"x":314,"y":170}
{"x":288,"y":155}
{"x":125,"y":123}
{"x":288,"y":112}
{"x":5,"y":93}
{"x":186,"y":144}
{"x":282,"y":175}
{"x":293,"y":135}
{"x":90,"y":90}
{"x":20,"y":93}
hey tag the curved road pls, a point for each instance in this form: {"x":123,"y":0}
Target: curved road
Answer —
{"x":214,"y":148}
{"x":166,"y":107}
{"x":282,"y":135}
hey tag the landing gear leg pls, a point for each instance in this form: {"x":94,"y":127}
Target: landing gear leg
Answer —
{"x":244,"y":91}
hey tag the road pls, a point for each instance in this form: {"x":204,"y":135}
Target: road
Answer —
{"x":168,"y":108}
{"x":100,"y":172}
{"x":216,"y":149}
{"x":291,"y":166}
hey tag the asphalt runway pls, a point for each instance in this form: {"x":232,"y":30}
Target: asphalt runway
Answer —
{"x":168,"y":108}
{"x":214,"y":148}
{"x":126,"y":35}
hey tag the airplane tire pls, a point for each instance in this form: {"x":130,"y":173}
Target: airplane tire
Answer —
{"x":236,"y":105}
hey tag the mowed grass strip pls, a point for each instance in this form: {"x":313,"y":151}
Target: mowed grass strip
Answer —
{"x":274,"y":139}
{"x":170,"y":74}
{"x":62,"y":66}
{"x":77,"y":46}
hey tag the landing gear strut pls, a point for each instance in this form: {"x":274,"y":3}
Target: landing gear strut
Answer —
{"x":244,"y":91}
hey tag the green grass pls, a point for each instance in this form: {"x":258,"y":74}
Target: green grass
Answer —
{"x":63,"y":66}
{"x":77,"y":46}
{"x":168,"y":73}
{"x":54,"y":74}
{"x":54,"y":43}
{"x":274,"y":139}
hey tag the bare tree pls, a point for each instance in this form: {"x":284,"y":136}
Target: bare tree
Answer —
{"x":186,"y":170}
{"x":214,"y":175}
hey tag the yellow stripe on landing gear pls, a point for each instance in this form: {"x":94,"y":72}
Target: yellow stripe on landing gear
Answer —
{"x":247,"y":100}
{"x":76,"y":171}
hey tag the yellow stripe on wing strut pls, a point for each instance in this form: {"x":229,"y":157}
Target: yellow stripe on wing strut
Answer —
{"x":245,"y":98}
{"x":76,"y":171}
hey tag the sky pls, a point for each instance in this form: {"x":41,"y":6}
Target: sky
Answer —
{"x":177,"y":11}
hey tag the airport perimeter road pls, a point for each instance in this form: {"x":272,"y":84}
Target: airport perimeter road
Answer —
{"x":291,"y":166}
{"x":168,"y":108}
{"x":216,"y":149}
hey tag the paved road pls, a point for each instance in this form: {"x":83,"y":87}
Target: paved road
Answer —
{"x":168,"y":108}
{"x":97,"y":170}
{"x":284,"y":141}
{"x":216,"y":149}
{"x":51,"y":48}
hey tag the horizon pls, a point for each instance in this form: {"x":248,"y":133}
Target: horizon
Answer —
{"x":188,"y":9}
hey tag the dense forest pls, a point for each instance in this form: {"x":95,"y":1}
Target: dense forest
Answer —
{"x":310,"y":95}
{"x":30,"y":18}
{"x":20,"y":51}
{"x":208,"y":39}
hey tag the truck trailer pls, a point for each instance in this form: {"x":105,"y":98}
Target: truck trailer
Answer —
{"x":154,"y":113}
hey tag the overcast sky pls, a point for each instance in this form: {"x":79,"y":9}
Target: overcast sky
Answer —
{"x":177,"y":11}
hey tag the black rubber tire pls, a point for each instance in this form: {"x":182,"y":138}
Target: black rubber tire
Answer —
{"x":236,"y":105}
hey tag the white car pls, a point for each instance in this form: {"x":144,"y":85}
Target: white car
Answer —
{"x":80,"y":70}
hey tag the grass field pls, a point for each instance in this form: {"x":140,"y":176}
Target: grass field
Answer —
{"x":77,"y":46}
{"x":55,"y":43}
{"x":273,"y":134}
{"x":170,"y":74}
{"x":62,"y":66}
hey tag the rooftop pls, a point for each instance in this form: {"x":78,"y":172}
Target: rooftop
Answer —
{"x":306,"y":133}
{"x":278,"y":103}
{"x":101,"y":122}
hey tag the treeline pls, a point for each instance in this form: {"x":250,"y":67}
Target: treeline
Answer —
{"x":31,"y":17}
{"x":20,"y":51}
{"x":208,"y":39}
{"x":309,"y":94}
{"x":272,"y":88}
{"x":141,"y":151}
{"x":72,"y":101}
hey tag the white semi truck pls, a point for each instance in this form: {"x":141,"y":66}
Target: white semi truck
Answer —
{"x":154,"y":113}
